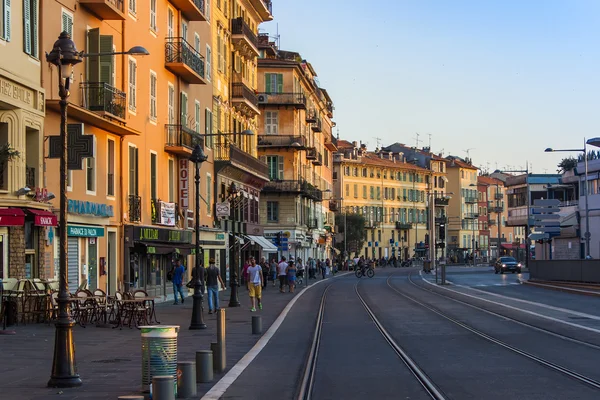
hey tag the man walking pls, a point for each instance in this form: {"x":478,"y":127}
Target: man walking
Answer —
{"x":213,"y":278}
{"x":264,"y":265}
{"x":178,"y":272}
{"x":255,"y":284}
{"x":281,"y":272}
{"x":273,"y":271}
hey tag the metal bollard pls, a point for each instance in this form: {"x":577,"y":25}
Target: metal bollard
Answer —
{"x":163,"y":387}
{"x":204,"y":366}
{"x":216,"y":350}
{"x":186,"y":379}
{"x":256,"y":324}
{"x":221,"y":357}
{"x":134,"y":397}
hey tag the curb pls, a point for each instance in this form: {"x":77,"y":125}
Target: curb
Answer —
{"x":561,"y":288}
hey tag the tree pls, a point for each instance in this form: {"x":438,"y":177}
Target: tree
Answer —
{"x":7,"y":153}
{"x":356,"y":233}
{"x":566,"y":164}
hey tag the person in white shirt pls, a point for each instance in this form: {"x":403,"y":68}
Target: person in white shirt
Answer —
{"x":281,"y":273}
{"x":255,"y":284}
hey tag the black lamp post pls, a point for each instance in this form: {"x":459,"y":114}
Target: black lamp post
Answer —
{"x":232,"y":192}
{"x":198,"y":157}
{"x":64,"y":370}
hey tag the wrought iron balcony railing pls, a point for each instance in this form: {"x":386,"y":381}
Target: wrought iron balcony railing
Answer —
{"x":441,"y":201}
{"x":282,"y":141}
{"x":499,"y":196}
{"x":104,"y":98}
{"x":294,"y":186}
{"x":240,"y":27}
{"x":179,"y":51}
{"x":181,"y":140}
{"x":239,"y":91}
{"x":403,"y":225}
{"x":228,"y":152}
{"x":311,"y":154}
{"x":311,"y":116}
{"x":470,"y":199}
{"x":135,"y":208}
{"x":297,"y":100}
{"x":317,"y":126}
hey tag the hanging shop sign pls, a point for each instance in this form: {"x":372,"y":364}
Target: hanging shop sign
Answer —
{"x":184,"y":188}
{"x":167,"y":213}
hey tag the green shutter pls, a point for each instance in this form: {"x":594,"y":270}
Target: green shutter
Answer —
{"x":27,"y":26}
{"x":93,"y":61}
{"x":34,"y":30}
{"x":106,"y":62}
{"x":6,"y":20}
{"x":267,"y":83}
{"x":279,"y":83}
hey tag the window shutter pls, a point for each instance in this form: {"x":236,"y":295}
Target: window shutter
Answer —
{"x":106,"y":62}
{"x":34,"y":29}
{"x":279,"y":83}
{"x":183,"y":108}
{"x":267,"y":83}
{"x":207,"y":119}
{"x":94,"y":61}
{"x":280,"y":167}
{"x":27,"y":26}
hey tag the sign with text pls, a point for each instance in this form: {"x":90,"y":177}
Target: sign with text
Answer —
{"x":184,"y":183}
{"x":167,"y":213}
{"x":144,"y":234}
{"x":85,"y":231}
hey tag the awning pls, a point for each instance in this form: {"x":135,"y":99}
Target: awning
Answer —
{"x":12,"y":217}
{"x":263,"y":242}
{"x":183,"y":249}
{"x":43,"y":217}
{"x":510,"y":246}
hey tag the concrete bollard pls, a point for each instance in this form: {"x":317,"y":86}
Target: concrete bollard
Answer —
{"x":204,"y":366}
{"x":256,"y":324}
{"x":134,"y":397}
{"x":221,"y":339}
{"x":216,"y":350}
{"x":186,"y":379}
{"x":163,"y":387}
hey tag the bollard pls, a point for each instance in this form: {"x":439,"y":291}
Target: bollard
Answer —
{"x":222,"y":355}
{"x":186,"y":379}
{"x":163,"y":387}
{"x":216,"y":350}
{"x":204,"y":366}
{"x":256,"y":324}
{"x":134,"y":397}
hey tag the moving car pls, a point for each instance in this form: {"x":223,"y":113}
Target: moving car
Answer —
{"x":505,"y":264}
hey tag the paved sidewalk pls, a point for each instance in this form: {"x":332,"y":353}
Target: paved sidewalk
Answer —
{"x":109,"y":360}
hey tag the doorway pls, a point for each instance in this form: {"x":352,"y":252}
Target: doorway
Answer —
{"x":112,"y":263}
{"x":3,"y":253}
{"x":92,"y":263}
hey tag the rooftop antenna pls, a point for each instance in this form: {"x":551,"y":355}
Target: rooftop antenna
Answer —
{"x":417,"y":139}
{"x":338,"y":133}
{"x":468,"y":151}
{"x":429,"y":141}
{"x":378,"y":140}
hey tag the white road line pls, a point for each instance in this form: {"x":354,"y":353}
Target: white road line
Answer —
{"x":225,"y":382}
{"x":587,"y":328}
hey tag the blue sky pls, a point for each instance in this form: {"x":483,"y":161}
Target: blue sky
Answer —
{"x":505,"y":79}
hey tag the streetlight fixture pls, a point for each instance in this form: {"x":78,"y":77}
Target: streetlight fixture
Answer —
{"x":232,"y":194}
{"x":592,"y":142}
{"x":198,"y":157}
{"x":64,"y":55}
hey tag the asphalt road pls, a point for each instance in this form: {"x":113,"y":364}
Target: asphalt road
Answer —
{"x":438,"y":328}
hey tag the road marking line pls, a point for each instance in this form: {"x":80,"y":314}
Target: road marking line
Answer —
{"x":230,"y":377}
{"x":514,"y":308}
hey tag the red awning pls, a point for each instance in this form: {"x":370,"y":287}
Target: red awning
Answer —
{"x":43,"y":217}
{"x":12,"y":217}
{"x":510,"y":246}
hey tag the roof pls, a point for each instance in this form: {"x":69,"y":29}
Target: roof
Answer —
{"x":461,"y":164}
{"x":344,"y":144}
{"x":486,"y":180}
{"x":371,"y":158}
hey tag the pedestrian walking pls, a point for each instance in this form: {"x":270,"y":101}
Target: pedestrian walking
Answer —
{"x":312,"y":268}
{"x":255,"y":284}
{"x":281,"y":272}
{"x":273,"y":271}
{"x":178,"y":272}
{"x":291,"y":276}
{"x":264,"y":266}
{"x":213,"y":278}
{"x":323,"y":268}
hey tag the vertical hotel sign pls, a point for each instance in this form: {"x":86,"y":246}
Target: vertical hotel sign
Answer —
{"x":184,"y":183}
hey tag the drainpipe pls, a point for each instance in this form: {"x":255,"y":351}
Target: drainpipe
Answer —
{"x":122,"y":239}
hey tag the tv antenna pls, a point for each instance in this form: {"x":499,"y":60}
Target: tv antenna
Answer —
{"x":468,"y":151}
{"x":417,"y":139}
{"x":378,"y":140}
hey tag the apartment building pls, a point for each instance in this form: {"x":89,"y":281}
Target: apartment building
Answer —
{"x":26,"y":223}
{"x":484,"y":207}
{"x":463,"y":212}
{"x":500,"y":236}
{"x":235,"y":109}
{"x":131,"y":205}
{"x":390,"y":193}
{"x":296,"y":141}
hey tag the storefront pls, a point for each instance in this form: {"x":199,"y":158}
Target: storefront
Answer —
{"x":82,"y":257}
{"x":214,"y":245}
{"x":150,"y":252}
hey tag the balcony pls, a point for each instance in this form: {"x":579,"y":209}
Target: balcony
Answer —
{"x":403,"y":225}
{"x":184,"y":61}
{"x":499,"y":196}
{"x":311,"y":116}
{"x":317,"y":126}
{"x":296,"y":100}
{"x":193,"y":10}
{"x":244,"y":39}
{"x":491,"y":222}
{"x":181,"y":140}
{"x":440,"y":220}
{"x":441,"y":201}
{"x":331,"y":143}
{"x":312,"y":223}
{"x":30,"y":177}
{"x":311,"y":154}
{"x":333,"y":206}
{"x":471,"y":216}
{"x":281,"y":141}
{"x":244,"y":99}
{"x":135,"y":208}
{"x":102,"y":98}
{"x":470,"y":199}
{"x":105,"y":9}
{"x":371,"y":224}
{"x":318,"y":160}
{"x":330,"y":109}
{"x":229,"y":155}
{"x":294,"y":187}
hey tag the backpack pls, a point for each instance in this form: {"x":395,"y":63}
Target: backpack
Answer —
{"x":170,"y":274}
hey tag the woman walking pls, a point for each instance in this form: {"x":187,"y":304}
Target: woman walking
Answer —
{"x":291,"y":276}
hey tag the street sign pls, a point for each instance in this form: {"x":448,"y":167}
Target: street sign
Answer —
{"x":549,"y":229}
{"x":538,"y":210}
{"x":544,"y":217}
{"x":223,"y":209}
{"x":546,"y":203}
{"x":547,"y":223}
{"x":539,"y":236}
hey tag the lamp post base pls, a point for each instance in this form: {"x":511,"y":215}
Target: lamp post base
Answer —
{"x":64,"y":374}
{"x":233,"y":299}
{"x":197,"y":317}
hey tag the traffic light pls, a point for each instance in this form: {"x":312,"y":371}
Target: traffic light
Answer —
{"x":278,"y":239}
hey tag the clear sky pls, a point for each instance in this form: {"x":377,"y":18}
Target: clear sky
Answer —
{"x":505,"y":79}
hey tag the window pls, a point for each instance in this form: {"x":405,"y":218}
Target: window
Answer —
{"x":110,"y":176}
{"x":132,"y":83}
{"x":219,"y":53}
{"x":272,"y":211}
{"x":347,"y":190}
{"x":274,"y":83}
{"x":67,"y":22}
{"x":153,"y":177}
{"x":5,"y":20}
{"x":196,"y":42}
{"x":364,"y":191}
{"x":372,"y":192}
{"x":271,"y":122}
{"x":275,"y":164}
{"x":197,"y":116}
{"x":184,"y":30}
{"x":91,"y":175}
{"x":207,"y":10}
{"x":152,"y":95}
{"x":355,"y":191}
{"x":170,"y":23}
{"x":171,"y":104}
{"x":171,"y":180}
{"x":133,"y":170}
{"x":208,"y":63}
{"x":153,"y":15}
{"x":132,"y":6}
{"x":208,"y":127}
{"x":30,"y":27}
{"x":378,"y":193}
{"x":209,"y":184}
{"x":184,"y":109}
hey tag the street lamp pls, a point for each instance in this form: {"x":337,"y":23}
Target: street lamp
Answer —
{"x":592,"y":142}
{"x":198,"y":157}
{"x":232,"y":194}
{"x":64,"y":55}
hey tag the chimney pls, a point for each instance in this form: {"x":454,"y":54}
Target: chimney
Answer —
{"x":355,"y":144}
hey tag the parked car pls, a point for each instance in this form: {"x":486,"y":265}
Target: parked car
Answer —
{"x":505,"y":264}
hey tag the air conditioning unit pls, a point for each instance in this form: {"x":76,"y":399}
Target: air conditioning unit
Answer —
{"x":263,"y":98}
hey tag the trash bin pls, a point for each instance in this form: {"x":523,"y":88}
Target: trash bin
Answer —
{"x":427,"y":266}
{"x":159,"y":353}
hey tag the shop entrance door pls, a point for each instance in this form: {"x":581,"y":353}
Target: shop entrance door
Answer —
{"x":93,"y":264}
{"x":73,"y":263}
{"x":112,"y":262}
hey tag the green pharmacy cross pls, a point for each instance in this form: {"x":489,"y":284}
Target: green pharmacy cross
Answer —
{"x":79,"y":146}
